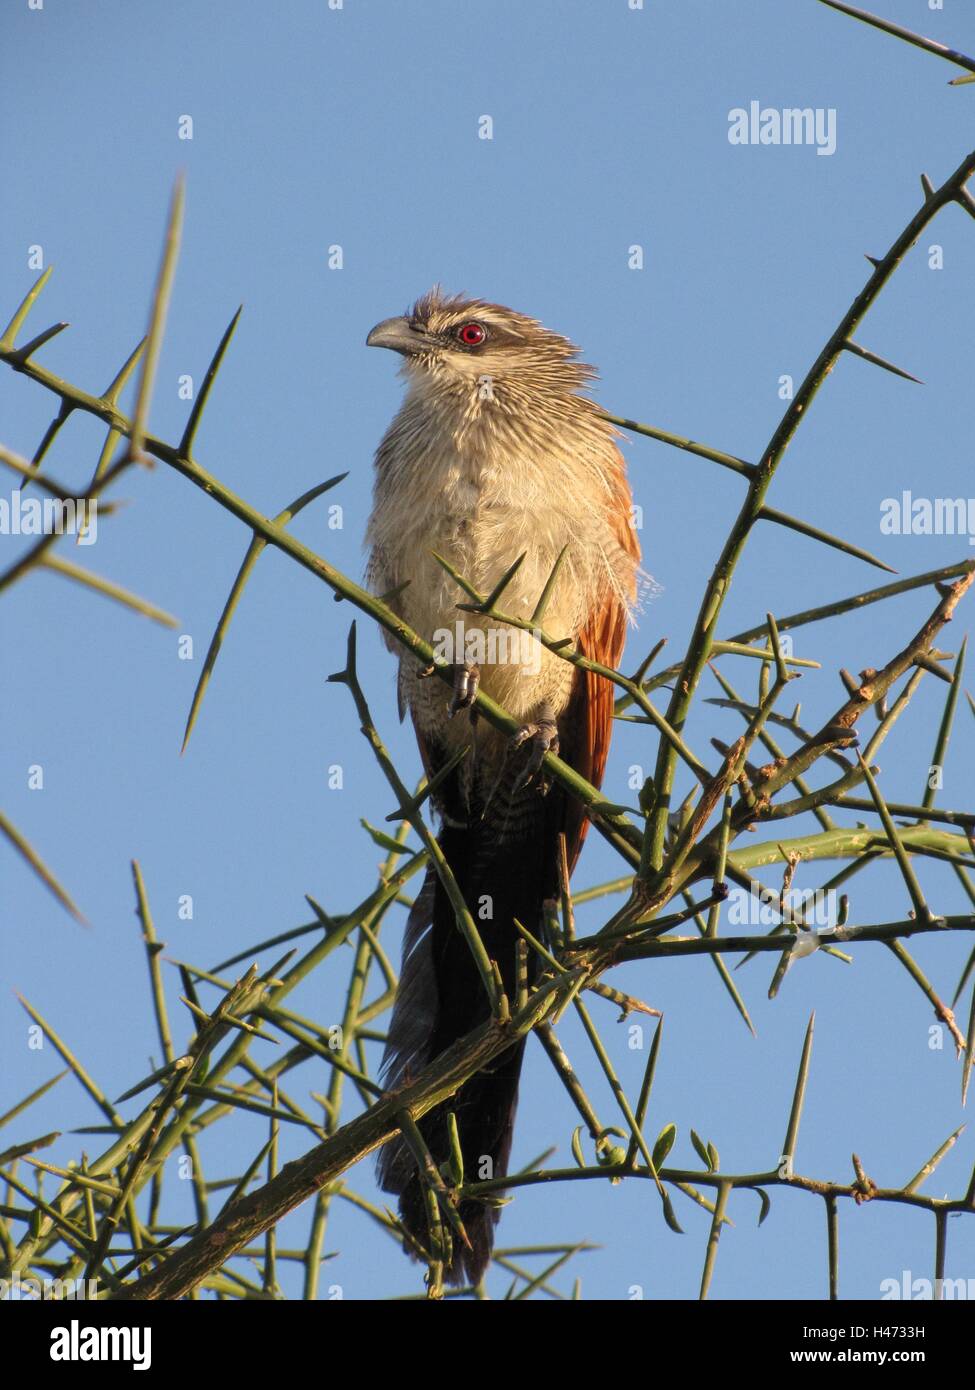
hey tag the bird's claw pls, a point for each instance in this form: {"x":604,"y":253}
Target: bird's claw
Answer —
{"x":543,"y":735}
{"x":467,"y":678}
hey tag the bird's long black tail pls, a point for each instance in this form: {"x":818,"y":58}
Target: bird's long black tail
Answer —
{"x":441,"y":997}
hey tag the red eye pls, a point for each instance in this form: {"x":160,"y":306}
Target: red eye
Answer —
{"x":471,"y":334}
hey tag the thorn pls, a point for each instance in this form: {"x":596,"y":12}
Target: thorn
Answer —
{"x":872,"y":357}
{"x":390,"y":594}
{"x":851,"y":683}
{"x":22,"y":354}
{"x":928,"y":665}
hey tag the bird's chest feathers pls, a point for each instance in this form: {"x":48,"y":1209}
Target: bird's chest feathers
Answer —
{"x":480,"y":516}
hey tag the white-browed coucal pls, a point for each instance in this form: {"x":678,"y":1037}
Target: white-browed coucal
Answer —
{"x":496,"y":451}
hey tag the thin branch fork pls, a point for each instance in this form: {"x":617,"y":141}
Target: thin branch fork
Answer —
{"x":647,"y":897}
{"x":873,"y":690}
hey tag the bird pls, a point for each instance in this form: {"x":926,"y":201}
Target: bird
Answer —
{"x":497,"y":453}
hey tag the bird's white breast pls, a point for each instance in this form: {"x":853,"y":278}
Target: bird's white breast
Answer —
{"x":480,"y":512}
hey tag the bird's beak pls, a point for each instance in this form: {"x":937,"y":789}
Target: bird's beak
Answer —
{"x":400,"y":336}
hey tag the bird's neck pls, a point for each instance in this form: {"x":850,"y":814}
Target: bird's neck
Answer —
{"x":493,"y":421}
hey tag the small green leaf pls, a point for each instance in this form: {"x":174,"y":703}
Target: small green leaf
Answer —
{"x":702,"y":1150}
{"x":663,"y":1146}
{"x":670,"y":1216}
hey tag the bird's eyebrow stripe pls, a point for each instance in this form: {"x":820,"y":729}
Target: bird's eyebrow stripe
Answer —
{"x":497,"y":333}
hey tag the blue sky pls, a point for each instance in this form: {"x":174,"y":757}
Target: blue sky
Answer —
{"x":358,"y":127}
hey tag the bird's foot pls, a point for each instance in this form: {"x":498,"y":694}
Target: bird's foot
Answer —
{"x":543,"y":736}
{"x":467,"y":678}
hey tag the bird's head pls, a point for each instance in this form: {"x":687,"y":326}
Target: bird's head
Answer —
{"x":468,"y":347}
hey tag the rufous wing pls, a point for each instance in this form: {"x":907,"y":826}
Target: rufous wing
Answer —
{"x":588,"y":726}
